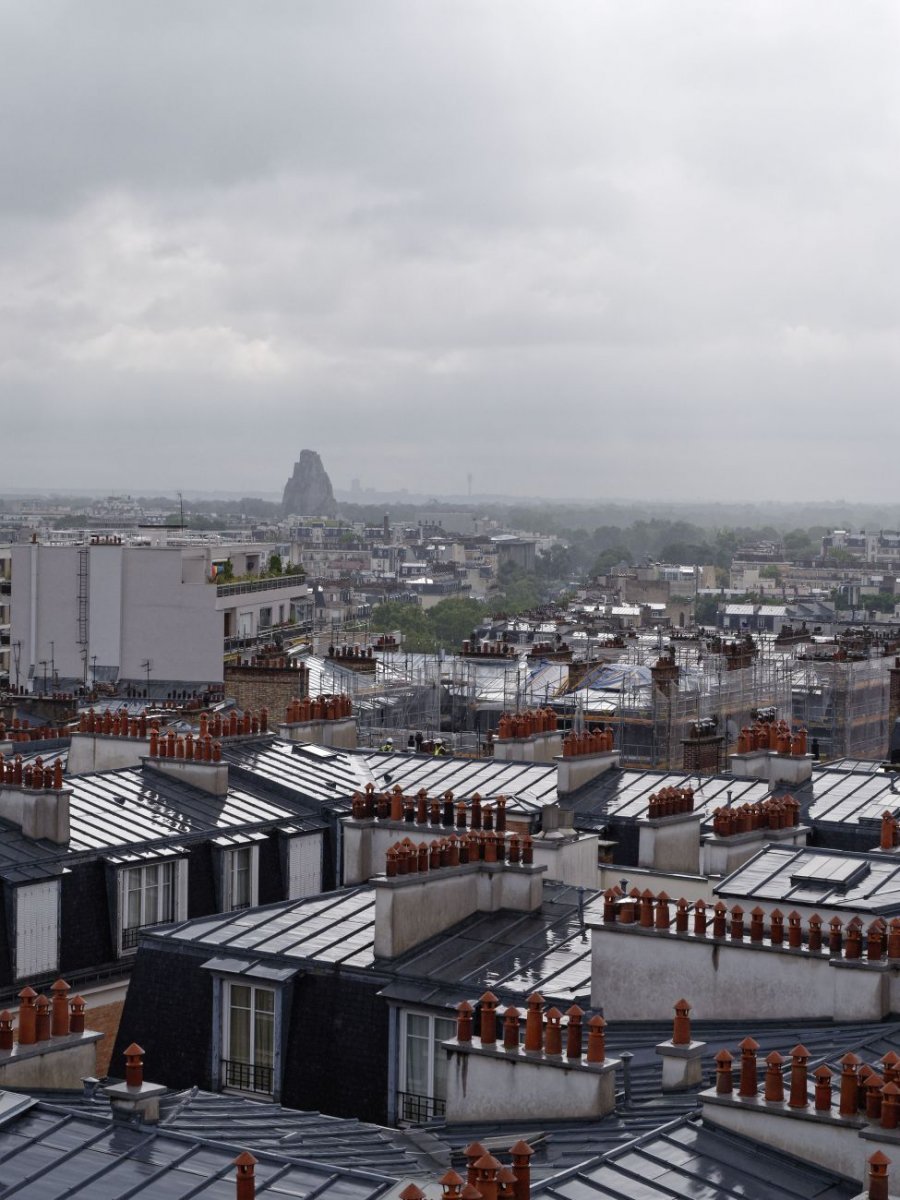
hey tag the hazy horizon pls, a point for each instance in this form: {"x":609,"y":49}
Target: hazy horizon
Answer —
{"x":640,"y":250}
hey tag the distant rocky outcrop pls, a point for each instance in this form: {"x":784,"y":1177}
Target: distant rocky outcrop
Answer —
{"x":308,"y":491}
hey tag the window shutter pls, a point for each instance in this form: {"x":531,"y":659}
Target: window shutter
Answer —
{"x":305,"y":867}
{"x":181,"y":889}
{"x":37,"y":929}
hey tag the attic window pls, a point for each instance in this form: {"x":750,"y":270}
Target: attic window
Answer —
{"x":308,"y":750}
{"x":829,"y":873}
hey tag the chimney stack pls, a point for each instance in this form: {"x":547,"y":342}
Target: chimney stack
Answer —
{"x":246,"y":1176}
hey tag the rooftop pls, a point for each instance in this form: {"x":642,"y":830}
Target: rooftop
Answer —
{"x":511,"y":953}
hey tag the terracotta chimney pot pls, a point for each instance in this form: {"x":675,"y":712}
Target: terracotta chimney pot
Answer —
{"x":473,"y":1153}
{"x":774,"y":1085}
{"x":521,"y":1154}
{"x":799,"y":1061}
{"x":246,"y":1176}
{"x":849,"y":1102}
{"x":464,"y":1013}
{"x":681,"y":1026}
{"x":596,"y":1039}
{"x":59,"y":1024}
{"x":488,"y":1026}
{"x":42,"y":1019}
{"x":749,"y":1081}
{"x":724,"y":1073}
{"x":27,"y":1016}
{"x":878,"y":1176}
{"x":822,"y":1075}
{"x":573,"y":1034}
{"x":511,"y":1029}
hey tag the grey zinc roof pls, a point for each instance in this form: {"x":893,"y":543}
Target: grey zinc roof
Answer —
{"x":49,"y":1152}
{"x":848,"y":796}
{"x":299,"y":769}
{"x":260,"y":1125}
{"x":511,"y":953}
{"x":693,"y":1161}
{"x":834,"y":879}
{"x":624,"y":794}
{"x":130,"y":807}
{"x":532,"y":784}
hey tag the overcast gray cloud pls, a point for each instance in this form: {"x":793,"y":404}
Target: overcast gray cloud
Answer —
{"x":636,"y":249}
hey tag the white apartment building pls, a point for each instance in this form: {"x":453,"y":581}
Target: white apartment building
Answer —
{"x":140,"y":611}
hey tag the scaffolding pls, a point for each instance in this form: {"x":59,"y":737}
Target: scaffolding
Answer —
{"x":402,"y":697}
{"x":652,"y":718}
{"x":845,"y":705}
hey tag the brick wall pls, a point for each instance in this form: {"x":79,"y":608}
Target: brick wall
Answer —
{"x":265,"y":687}
{"x":703,"y":754}
{"x":105,"y":1019}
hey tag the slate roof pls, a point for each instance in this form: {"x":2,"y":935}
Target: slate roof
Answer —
{"x":531,"y":785}
{"x":687,"y":1159}
{"x":298,"y":770}
{"x":292,"y":1133}
{"x":511,"y":953}
{"x":847,"y":880}
{"x":846,"y":793}
{"x":623,"y":794}
{"x":121,"y":809}
{"x":49,"y":1152}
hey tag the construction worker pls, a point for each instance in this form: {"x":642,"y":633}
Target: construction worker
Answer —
{"x":388,"y":745}
{"x":439,"y":747}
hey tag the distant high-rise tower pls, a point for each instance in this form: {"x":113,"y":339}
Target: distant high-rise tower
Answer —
{"x":469,"y":477}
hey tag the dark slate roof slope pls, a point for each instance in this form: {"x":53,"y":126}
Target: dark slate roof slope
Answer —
{"x":292,"y":1133}
{"x":510,"y":953}
{"x":49,"y":1152}
{"x":560,"y":1145}
{"x":693,"y":1161}
{"x":623,"y":794}
{"x":530,"y":784}
{"x":845,"y":879}
{"x":299,"y":770}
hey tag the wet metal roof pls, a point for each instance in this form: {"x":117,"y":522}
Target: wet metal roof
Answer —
{"x":292,"y":1133}
{"x":49,"y":1152}
{"x":113,"y":810}
{"x":511,"y":953}
{"x":299,"y":769}
{"x":688,"y":1160}
{"x":624,"y":794}
{"x":532,"y":784}
{"x":831,"y":879}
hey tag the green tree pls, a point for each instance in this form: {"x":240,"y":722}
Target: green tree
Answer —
{"x":610,"y":558}
{"x":275,"y":567}
{"x":705,"y":609}
{"x":410,"y":620}
{"x":452,"y":621}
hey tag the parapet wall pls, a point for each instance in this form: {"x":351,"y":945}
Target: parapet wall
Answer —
{"x":734,"y":972}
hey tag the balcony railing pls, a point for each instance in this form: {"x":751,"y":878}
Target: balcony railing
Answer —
{"x":419,"y":1109}
{"x":247,"y":1077}
{"x":131,"y":935}
{"x":246,"y":586}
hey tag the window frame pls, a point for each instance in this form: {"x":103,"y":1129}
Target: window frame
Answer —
{"x":414,"y":1107}
{"x":29,"y":972}
{"x":223,"y":1031}
{"x":230,"y":856}
{"x":128,"y":936}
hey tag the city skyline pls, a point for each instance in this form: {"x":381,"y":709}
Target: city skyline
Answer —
{"x":635,"y":250}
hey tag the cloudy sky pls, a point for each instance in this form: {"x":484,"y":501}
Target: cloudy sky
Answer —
{"x":611,"y":248}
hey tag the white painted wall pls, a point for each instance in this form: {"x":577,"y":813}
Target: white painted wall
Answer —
{"x":412,"y":908}
{"x":638,"y":976}
{"x":508,"y":1085}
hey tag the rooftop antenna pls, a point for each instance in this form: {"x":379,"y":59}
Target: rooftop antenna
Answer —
{"x":181,"y":505}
